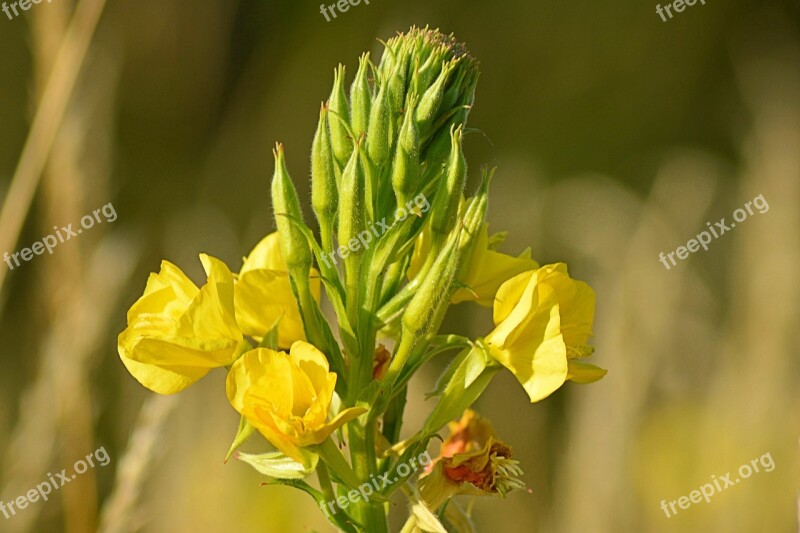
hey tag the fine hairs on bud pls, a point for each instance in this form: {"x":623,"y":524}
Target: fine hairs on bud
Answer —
{"x":295,"y":248}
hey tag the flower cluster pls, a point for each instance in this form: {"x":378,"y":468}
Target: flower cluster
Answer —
{"x":302,"y":379}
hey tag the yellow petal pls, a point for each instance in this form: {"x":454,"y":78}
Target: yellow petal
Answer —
{"x":577,"y":302}
{"x":264,"y":296}
{"x":510,"y":293}
{"x":278,"y":439}
{"x":312,"y":362}
{"x":266,"y":255}
{"x":168,"y":292}
{"x":166,"y":379}
{"x":323,"y":432}
{"x":178,"y":351}
{"x":261,"y":376}
{"x":531,"y":345}
{"x":489,"y":270}
{"x":211,"y":312}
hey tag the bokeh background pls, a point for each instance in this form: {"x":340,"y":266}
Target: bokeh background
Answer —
{"x":616,"y":136}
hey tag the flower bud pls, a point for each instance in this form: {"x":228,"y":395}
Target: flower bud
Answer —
{"x":474,"y":218}
{"x":431,"y":100}
{"x":340,"y":136}
{"x":444,"y":211}
{"x":424,"y":309}
{"x":352,"y":209}
{"x":397,"y":80}
{"x":379,"y":134}
{"x":352,"y":226}
{"x":405,"y":171}
{"x":324,"y":194}
{"x":294,"y":246}
{"x":361,"y":97}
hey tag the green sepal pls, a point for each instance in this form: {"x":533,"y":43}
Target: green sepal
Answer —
{"x":276,"y":465}
{"x":270,"y":339}
{"x":244,"y":432}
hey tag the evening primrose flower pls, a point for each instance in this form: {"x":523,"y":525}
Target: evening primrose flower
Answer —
{"x":263,"y":294}
{"x":543,"y":321}
{"x":287,"y":396}
{"x":178,"y":332}
{"x":472,"y":461}
{"x":485,"y":270}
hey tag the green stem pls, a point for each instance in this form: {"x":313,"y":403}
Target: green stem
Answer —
{"x":325,"y":483}
{"x":330,"y":453}
{"x":362,"y":453}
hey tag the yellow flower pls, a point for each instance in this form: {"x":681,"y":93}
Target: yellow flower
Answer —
{"x":471,"y":461}
{"x":287,"y":397}
{"x":543,"y":321}
{"x":486,"y":270}
{"x":176,"y":332}
{"x":264,"y":295}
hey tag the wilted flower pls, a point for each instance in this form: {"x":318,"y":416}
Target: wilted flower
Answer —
{"x":176,"y":332}
{"x":472,"y":461}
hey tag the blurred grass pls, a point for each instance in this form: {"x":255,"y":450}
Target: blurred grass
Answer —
{"x":616,"y":136}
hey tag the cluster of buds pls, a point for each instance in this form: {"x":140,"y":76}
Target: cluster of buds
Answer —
{"x":389,"y":194}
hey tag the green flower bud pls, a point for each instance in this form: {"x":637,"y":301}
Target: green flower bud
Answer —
{"x":405,"y":170}
{"x":352,"y":209}
{"x":424,"y":75}
{"x":353,"y":234}
{"x":324,"y":194}
{"x":361,"y":97}
{"x":429,"y":104}
{"x":433,"y":295}
{"x":380,"y":134}
{"x":340,"y":136}
{"x":474,"y":218}
{"x":397,"y":84}
{"x":444,"y":211}
{"x":294,"y":246}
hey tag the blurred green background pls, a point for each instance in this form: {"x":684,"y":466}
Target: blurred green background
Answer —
{"x":616,"y":137}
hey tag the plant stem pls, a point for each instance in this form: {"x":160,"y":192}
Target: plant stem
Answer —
{"x":362,"y":454}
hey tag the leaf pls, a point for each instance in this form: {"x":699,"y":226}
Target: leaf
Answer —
{"x":279,"y":466}
{"x":340,"y":520}
{"x":476,"y":363}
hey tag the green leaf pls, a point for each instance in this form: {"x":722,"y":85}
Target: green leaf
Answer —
{"x":340,"y":519}
{"x":460,"y":392}
{"x":279,"y":466}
